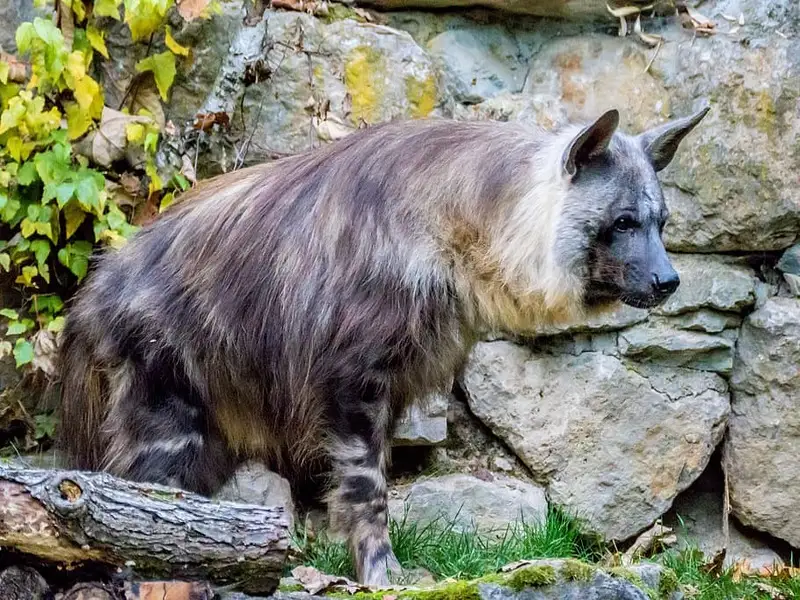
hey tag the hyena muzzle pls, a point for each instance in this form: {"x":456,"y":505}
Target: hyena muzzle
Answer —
{"x":290,"y":312}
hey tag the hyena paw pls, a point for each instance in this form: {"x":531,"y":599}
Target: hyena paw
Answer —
{"x":380,"y":569}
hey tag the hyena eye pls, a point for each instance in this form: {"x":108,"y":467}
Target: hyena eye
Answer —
{"x":624,"y":224}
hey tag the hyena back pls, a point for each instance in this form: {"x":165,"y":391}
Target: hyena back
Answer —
{"x":290,"y":312}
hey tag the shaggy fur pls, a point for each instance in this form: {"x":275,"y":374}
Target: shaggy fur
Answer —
{"x":291,"y":311}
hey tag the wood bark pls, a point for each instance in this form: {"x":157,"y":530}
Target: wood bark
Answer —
{"x":576,"y":10}
{"x":73,"y":518}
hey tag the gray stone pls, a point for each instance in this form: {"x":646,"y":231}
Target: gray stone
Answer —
{"x":424,"y":423}
{"x":790,"y":260}
{"x":571,"y":581}
{"x":614,"y":441}
{"x":12,"y":14}
{"x":255,"y":484}
{"x":479,"y":63}
{"x":659,"y":343}
{"x":763,"y":440}
{"x":696,"y":517}
{"x":732,"y":185}
{"x":793,"y":283}
{"x":707,"y":320}
{"x":621,"y":316}
{"x":709,"y":281}
{"x":469,"y":502}
{"x":328,"y":79}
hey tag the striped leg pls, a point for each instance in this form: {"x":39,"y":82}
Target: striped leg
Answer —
{"x":358,"y":508}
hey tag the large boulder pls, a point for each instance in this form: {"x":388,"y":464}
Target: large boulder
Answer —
{"x":468,"y":502}
{"x":733,"y":183}
{"x":328,"y":79}
{"x":615,"y":441}
{"x":763,"y":440}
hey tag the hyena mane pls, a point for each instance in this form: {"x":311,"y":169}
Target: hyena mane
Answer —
{"x":289,"y":312}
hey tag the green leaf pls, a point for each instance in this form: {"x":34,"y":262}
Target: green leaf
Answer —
{"x":144,"y":17}
{"x":75,"y":257}
{"x":48,"y":303}
{"x":24,"y":37}
{"x":41,"y":250}
{"x":64,"y":193}
{"x":9,"y":313}
{"x":23,"y":352}
{"x":5,"y":261}
{"x":56,"y":325}
{"x":17,"y":328}
{"x":45,"y":426}
{"x":163,"y":67}
{"x":27,"y":174}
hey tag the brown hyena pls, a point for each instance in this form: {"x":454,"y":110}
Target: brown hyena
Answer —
{"x":289,"y":312}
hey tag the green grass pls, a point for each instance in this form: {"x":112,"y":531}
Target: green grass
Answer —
{"x":444,"y":551}
{"x":700,"y":585}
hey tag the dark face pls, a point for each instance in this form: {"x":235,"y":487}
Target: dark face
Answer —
{"x":628,"y":261}
{"x":617,"y":209}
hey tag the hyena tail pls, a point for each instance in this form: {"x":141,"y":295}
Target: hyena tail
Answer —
{"x":83,"y":403}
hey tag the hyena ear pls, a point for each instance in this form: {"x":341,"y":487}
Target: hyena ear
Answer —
{"x":661,"y":143}
{"x":592,"y":141}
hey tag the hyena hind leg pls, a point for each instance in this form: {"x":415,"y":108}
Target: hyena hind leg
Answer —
{"x":358,"y":507}
{"x":158,"y":432}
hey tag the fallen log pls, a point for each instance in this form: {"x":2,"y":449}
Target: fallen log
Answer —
{"x":74,"y":518}
{"x":575,"y":10}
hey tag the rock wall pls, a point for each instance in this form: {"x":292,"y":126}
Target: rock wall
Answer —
{"x":616,"y":417}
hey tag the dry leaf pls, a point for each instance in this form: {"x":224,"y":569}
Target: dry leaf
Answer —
{"x":734,"y":30}
{"x":331,"y":129}
{"x":205,"y":121}
{"x":187,"y":169}
{"x":120,"y":195}
{"x":741,"y":19}
{"x":728,"y":17}
{"x":714,"y":566}
{"x":106,"y":144}
{"x":131,"y":183}
{"x":17,"y":70}
{"x":652,"y":539}
{"x":191,"y":9}
{"x":168,"y":590}
{"x":315,"y":581}
{"x":45,"y":352}
{"x":627,"y":11}
{"x":144,"y":95}
{"x":66,"y":23}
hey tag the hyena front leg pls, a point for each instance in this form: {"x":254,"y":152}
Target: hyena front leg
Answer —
{"x":358,"y":506}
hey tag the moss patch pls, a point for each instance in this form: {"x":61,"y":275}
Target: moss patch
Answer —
{"x":535,"y":576}
{"x":421,"y":95}
{"x":575,"y":570}
{"x":668,"y":583}
{"x":364,"y":74}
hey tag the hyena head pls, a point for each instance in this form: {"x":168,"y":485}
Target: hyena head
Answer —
{"x":614,"y":217}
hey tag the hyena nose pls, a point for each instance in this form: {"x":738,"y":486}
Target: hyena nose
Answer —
{"x":666,"y":284}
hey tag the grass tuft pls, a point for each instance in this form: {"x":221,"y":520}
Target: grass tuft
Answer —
{"x":445,"y":550}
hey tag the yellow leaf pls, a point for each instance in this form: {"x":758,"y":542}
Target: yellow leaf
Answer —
{"x":79,"y":9}
{"x":175,"y":46}
{"x":107,"y":8}
{"x":166,"y":202}
{"x":97,"y":40}
{"x":78,"y":121}
{"x":28,"y":227}
{"x":144,"y":17}
{"x":74,"y":217}
{"x":162,"y":66}
{"x":76,"y":65}
{"x":28,"y":273}
{"x":14,"y":145}
{"x":86,"y":93}
{"x":134,"y":132}
{"x":5,"y":69}
{"x":113,"y":239}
